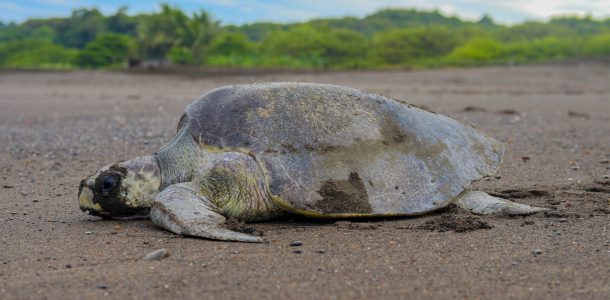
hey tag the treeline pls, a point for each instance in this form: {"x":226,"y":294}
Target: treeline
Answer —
{"x":388,"y":38}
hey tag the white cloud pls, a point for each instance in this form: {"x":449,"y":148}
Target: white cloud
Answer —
{"x":546,"y":8}
{"x":507,"y":11}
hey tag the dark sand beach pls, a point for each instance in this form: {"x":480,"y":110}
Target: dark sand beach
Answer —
{"x":58,"y":127}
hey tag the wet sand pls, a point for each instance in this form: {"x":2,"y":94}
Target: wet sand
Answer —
{"x":58,"y":127}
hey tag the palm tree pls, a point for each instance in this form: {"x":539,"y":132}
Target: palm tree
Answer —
{"x":160,"y":32}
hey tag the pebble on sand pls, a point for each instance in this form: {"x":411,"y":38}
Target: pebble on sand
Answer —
{"x":296,"y":243}
{"x":102,"y":286}
{"x":157,"y":254}
{"x":536,"y":251}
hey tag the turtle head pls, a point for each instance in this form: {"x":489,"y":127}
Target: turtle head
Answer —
{"x":123,"y":190}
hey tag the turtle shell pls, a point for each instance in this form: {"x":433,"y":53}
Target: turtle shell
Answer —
{"x":336,"y":151}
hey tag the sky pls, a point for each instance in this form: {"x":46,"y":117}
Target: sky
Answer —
{"x":241,"y":12}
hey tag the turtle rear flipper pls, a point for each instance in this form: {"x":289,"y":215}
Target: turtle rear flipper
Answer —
{"x":481,"y":203}
{"x":181,"y":210}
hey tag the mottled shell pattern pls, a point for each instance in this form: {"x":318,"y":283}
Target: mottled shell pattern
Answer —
{"x":336,"y":151}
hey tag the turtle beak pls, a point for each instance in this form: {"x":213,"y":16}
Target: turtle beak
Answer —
{"x":85,"y":199}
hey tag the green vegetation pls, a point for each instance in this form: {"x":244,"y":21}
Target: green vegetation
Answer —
{"x":390,"y":38}
{"x":34,"y":53}
{"x":408,"y":46}
{"x":106,"y":49}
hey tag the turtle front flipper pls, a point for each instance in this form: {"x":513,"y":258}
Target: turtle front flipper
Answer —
{"x":482,"y":203}
{"x":181,"y":210}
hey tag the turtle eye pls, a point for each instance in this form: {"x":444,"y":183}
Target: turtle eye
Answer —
{"x":109,"y":183}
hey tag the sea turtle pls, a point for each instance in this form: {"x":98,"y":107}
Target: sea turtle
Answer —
{"x":255,"y":152}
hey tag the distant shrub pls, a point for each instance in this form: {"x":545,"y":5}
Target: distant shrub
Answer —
{"x":180,"y":55}
{"x":231,"y":44}
{"x":301,"y":43}
{"x":309,"y":46}
{"x":31,"y":53}
{"x":597,"y":45}
{"x":400,"y":46}
{"x":234,"y":60}
{"x":107,"y":49}
{"x":550,"y":48}
{"x":476,"y":51}
{"x":344,"y":48}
